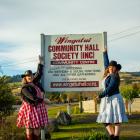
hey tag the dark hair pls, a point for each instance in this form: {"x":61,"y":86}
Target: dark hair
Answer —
{"x":118,"y":77}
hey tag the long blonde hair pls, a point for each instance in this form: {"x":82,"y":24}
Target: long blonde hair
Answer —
{"x":106,"y":72}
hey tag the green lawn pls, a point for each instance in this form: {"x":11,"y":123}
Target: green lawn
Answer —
{"x":130,"y":131}
{"x":75,"y":130}
{"x":82,"y":125}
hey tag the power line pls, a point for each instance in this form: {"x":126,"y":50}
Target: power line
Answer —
{"x":20,"y":63}
{"x":126,"y":30}
{"x":31,"y":58}
{"x":124,"y":36}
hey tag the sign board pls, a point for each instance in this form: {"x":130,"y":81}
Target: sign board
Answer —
{"x":73,"y":62}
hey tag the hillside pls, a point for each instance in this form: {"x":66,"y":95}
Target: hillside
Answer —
{"x":130,"y":77}
{"x":126,"y":77}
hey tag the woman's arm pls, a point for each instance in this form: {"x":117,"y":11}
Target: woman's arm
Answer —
{"x":106,"y":59}
{"x":39,"y":72}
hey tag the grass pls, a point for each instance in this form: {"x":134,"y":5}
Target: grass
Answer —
{"x":54,"y":109}
{"x":130,"y":131}
{"x":75,"y":130}
{"x":82,"y":125}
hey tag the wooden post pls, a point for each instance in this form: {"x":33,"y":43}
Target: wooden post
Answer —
{"x":95,"y":102}
{"x":69,"y":108}
{"x":80,"y":102}
{"x":129,"y":107}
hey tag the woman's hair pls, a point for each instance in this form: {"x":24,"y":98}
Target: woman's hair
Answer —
{"x":106,"y":72}
{"x":118,"y":77}
{"x":24,"y":81}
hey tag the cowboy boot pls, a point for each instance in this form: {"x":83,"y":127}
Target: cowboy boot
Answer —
{"x":116,"y":137}
{"x":47,"y":136}
{"x":35,"y":137}
{"x":111,"y":137}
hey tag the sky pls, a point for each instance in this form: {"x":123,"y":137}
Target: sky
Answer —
{"x":22,"y":22}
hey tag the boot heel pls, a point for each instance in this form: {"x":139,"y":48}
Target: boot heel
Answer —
{"x":116,"y":137}
{"x":35,"y":137}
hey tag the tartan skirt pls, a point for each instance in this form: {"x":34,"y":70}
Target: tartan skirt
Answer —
{"x":30,"y":116}
{"x":112,"y":110}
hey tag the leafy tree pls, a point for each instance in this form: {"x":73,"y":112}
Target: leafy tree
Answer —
{"x":54,"y":97}
{"x":63,"y":97}
{"x":129,"y":92}
{"x":6,"y":98}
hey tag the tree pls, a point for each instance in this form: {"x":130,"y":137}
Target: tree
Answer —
{"x":54,"y":97}
{"x":7,"y":100}
{"x":63,"y":97}
{"x":129,"y":92}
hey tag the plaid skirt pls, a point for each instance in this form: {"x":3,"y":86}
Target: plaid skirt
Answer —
{"x":112,"y":110}
{"x":30,"y":116}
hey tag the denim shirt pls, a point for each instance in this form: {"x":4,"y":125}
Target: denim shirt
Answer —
{"x":111,"y":81}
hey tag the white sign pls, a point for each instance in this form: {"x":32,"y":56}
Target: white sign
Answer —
{"x":73,"y":62}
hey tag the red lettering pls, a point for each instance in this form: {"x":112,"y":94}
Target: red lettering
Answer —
{"x":60,"y":40}
{"x":62,"y":56}
{"x":87,"y":55}
{"x":91,"y":47}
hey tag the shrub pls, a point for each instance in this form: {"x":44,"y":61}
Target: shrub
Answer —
{"x":9,"y":130}
{"x":7,"y":100}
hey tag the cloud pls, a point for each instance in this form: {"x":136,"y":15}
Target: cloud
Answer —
{"x":22,"y":22}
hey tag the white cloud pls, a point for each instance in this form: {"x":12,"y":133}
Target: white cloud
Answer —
{"x":23,"y":21}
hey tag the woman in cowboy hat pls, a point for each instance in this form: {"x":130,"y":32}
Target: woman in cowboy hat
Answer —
{"x":112,"y":110}
{"x":32,"y":114}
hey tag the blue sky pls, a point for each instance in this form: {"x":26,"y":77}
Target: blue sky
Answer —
{"x":22,"y":22}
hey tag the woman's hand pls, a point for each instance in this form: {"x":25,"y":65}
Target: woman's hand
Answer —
{"x":105,"y":49}
{"x":97,"y":97}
